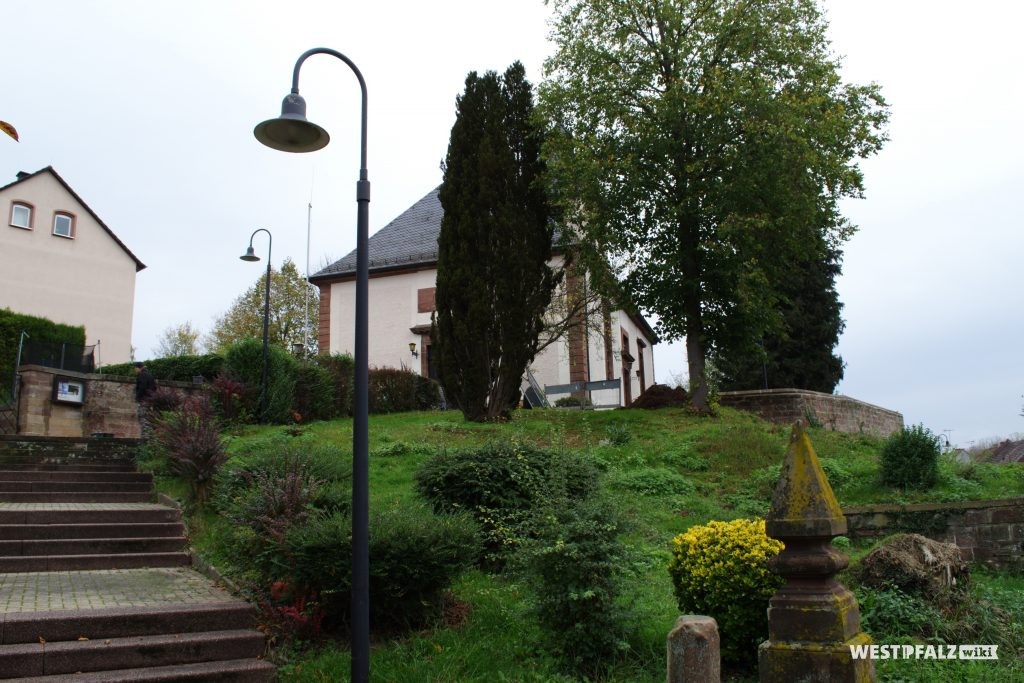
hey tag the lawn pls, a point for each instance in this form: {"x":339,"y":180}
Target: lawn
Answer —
{"x":666,"y":470}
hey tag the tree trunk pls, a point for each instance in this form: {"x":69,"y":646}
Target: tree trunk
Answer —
{"x":692,"y":297}
{"x":695,"y":364}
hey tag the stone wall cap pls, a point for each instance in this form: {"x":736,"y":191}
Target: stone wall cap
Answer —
{"x":933,"y":507}
{"x":101,"y":377}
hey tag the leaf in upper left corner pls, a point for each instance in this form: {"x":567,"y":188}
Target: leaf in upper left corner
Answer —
{"x":9,"y":129}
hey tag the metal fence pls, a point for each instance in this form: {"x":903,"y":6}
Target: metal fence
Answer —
{"x":59,"y":355}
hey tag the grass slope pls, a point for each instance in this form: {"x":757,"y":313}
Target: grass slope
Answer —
{"x":666,"y":469}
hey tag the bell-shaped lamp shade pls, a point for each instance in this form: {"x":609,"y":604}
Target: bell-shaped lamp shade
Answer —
{"x":249,"y":255}
{"x":291,"y":132}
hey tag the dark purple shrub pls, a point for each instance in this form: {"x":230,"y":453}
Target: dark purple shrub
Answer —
{"x":190,"y":438}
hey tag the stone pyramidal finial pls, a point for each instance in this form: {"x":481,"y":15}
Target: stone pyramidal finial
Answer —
{"x":803,"y":503}
{"x":813,"y":619}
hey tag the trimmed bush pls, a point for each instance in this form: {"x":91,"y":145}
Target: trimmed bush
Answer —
{"x":174,"y":368}
{"x":573,"y":402}
{"x":394,"y":390}
{"x":243,"y":362}
{"x":502,"y":484}
{"x":342,"y":369}
{"x":721,"y":569}
{"x":910,"y":458}
{"x":414,"y":557}
{"x":314,"y":392}
{"x":575,"y":567}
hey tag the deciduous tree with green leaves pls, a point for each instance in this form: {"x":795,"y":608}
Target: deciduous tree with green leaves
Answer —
{"x":287,"y":313}
{"x":493,"y":281}
{"x":178,"y":340}
{"x":707,"y":144}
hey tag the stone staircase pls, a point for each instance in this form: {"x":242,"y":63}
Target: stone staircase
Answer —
{"x":95,"y":577}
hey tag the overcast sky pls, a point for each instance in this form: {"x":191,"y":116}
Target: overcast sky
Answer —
{"x":147,"y":110}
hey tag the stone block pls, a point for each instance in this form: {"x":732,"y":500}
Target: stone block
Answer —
{"x":1008,"y":515}
{"x":693,"y":651}
{"x":978,"y":517}
{"x":787,"y":662}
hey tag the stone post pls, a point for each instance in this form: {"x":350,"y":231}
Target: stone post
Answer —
{"x":693,"y":651}
{"x":813,"y":619}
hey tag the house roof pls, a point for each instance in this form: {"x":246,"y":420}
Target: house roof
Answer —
{"x":410,"y":241}
{"x":139,"y":265}
{"x":1008,"y":451}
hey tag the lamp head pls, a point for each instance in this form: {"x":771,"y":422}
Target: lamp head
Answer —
{"x":249,"y":255}
{"x":291,"y":132}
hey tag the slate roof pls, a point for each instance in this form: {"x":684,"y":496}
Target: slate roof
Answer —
{"x":1008,"y":451}
{"x":409,"y":240}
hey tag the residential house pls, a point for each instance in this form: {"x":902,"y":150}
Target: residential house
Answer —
{"x":403,"y":274}
{"x":59,"y":260}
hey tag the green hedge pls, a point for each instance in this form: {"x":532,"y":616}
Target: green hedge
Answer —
{"x":177,"y":368}
{"x":39,"y":330}
{"x":394,"y":390}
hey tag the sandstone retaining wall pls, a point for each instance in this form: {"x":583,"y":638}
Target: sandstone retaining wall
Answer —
{"x":109,"y":406}
{"x":988,"y":531}
{"x":838,"y":413}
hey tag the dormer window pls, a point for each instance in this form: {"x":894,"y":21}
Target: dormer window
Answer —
{"x":21,"y":215}
{"x":64,"y":224}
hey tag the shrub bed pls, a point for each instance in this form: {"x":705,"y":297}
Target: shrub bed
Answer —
{"x":502,"y":484}
{"x":721,"y":569}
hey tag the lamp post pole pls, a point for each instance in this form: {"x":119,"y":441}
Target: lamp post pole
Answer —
{"x":250,"y":255}
{"x":292,"y":132}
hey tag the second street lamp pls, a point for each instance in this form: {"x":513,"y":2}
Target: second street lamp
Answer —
{"x":291,"y":132}
{"x":250,"y":255}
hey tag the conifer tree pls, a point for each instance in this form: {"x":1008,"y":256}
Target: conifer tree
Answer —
{"x":493,"y":282}
{"x":799,"y":351}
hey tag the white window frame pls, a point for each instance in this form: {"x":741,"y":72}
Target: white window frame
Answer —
{"x":71,"y":224}
{"x":21,"y":205}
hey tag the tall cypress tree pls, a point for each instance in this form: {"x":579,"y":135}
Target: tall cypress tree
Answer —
{"x":493,"y":282}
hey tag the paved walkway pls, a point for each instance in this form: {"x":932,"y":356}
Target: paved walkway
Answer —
{"x":120,"y":588}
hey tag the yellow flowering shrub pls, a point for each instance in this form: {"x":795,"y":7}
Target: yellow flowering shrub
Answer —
{"x":720,"y":569}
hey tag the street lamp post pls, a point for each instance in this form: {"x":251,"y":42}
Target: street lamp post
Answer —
{"x":250,"y":255}
{"x":291,"y":132}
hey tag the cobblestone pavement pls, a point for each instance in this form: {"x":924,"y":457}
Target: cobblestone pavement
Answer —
{"x":22,"y":507}
{"x":108,"y":588}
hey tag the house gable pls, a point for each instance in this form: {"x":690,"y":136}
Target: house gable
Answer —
{"x":66,"y":264}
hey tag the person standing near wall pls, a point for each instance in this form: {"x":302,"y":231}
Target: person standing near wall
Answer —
{"x":145,"y":387}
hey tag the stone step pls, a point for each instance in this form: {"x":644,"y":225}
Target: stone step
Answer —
{"x":233,"y":671}
{"x":13,"y":532}
{"x":61,"y":474}
{"x":29,"y":627}
{"x":74,"y":497}
{"x":91,"y":546}
{"x":68,"y":657}
{"x":63,"y":467}
{"x":61,"y":563}
{"x":86,"y":513}
{"x":74,"y":487}
{"x":21,"y":461}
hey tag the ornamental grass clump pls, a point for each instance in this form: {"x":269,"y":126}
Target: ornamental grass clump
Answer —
{"x":720,"y":569}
